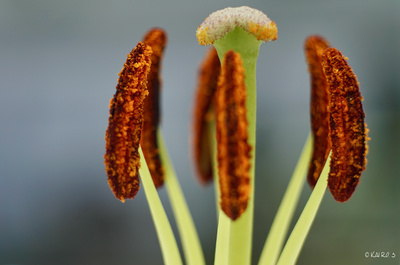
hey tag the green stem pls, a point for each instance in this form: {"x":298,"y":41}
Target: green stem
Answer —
{"x":280,"y":226}
{"x":187,"y":230}
{"x":296,"y":240}
{"x":169,"y":247}
{"x":241,"y":230}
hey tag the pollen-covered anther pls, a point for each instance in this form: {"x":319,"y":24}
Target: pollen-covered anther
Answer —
{"x":348,"y":130}
{"x":314,"y":47}
{"x":125,"y":123}
{"x":232,"y":137}
{"x":221,"y":22}
{"x":156,"y":38}
{"x":204,"y":115}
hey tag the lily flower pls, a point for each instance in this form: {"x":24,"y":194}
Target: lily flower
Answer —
{"x":224,"y":139}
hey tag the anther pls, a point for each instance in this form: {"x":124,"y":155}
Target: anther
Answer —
{"x":204,"y":114}
{"x":348,"y":130}
{"x":314,"y":47}
{"x":232,"y":137}
{"x":156,"y":39}
{"x":122,"y":158}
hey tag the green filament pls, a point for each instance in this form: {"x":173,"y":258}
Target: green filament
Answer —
{"x":187,"y":230}
{"x":280,"y":226}
{"x":297,"y":238}
{"x":166,"y":238}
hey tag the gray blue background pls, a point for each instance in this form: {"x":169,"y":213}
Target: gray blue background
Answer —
{"x":59,"y":62}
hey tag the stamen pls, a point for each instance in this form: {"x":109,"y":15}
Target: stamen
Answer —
{"x":314,"y":48}
{"x":204,"y":114}
{"x":122,"y":158}
{"x":221,"y":22}
{"x":348,"y":130}
{"x":156,"y":39}
{"x":232,"y":136}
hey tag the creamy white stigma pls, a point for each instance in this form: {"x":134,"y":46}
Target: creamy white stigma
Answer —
{"x":221,"y":22}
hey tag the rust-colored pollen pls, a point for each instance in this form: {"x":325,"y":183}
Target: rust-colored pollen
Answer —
{"x":348,"y":130}
{"x":204,"y":113}
{"x":125,"y":123}
{"x":232,"y":145}
{"x":314,"y":47}
{"x":156,"y":39}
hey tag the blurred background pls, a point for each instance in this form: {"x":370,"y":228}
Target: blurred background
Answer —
{"x":59,"y":62}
